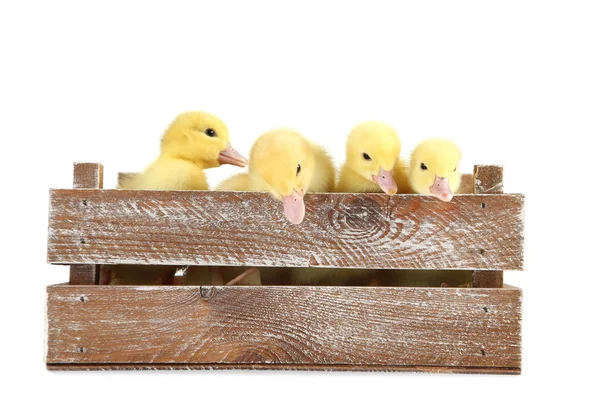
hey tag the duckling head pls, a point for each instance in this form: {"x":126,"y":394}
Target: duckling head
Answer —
{"x":201,"y":138}
{"x":434,"y":168}
{"x":372,"y":151}
{"x":284,"y":160}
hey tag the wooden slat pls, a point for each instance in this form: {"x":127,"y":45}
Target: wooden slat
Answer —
{"x":278,"y":325}
{"x":285,"y":367}
{"x":488,"y":279}
{"x":250,"y":229}
{"x":89,"y":176}
{"x":488,"y":179}
{"x":84,"y":274}
{"x":466,"y":184}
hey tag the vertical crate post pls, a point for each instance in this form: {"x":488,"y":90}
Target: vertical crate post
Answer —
{"x":86,"y":176}
{"x":488,"y":179}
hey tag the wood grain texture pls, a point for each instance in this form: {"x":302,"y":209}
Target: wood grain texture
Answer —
{"x":435,"y":327}
{"x":89,"y":176}
{"x":488,"y":279}
{"x":285,"y":367}
{"x":84,"y":274}
{"x":466,"y":184}
{"x":250,"y":229}
{"x":488,"y":179}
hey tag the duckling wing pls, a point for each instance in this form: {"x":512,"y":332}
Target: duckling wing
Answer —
{"x":236,"y":183}
{"x":401,"y":177}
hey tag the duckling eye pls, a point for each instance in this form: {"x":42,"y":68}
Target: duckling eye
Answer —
{"x":298,"y":169}
{"x":210,"y":132}
{"x":423,"y":166}
{"x":366,"y":157}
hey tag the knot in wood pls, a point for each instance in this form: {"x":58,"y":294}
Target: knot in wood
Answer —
{"x":362,"y":213}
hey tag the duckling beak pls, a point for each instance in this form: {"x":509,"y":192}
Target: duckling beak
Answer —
{"x":441,"y":189}
{"x":293,"y":206}
{"x":386,"y":181}
{"x":231,"y":156}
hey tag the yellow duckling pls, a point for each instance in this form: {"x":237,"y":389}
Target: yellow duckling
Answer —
{"x":434,"y":168}
{"x":193,"y":142}
{"x":372,"y":161}
{"x":287,"y":165}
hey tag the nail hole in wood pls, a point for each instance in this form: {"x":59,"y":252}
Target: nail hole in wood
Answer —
{"x":85,"y":203}
{"x":82,"y":241}
{"x":82,"y":299}
{"x":483,"y":352}
{"x":82,"y":350}
{"x":485,"y":309}
{"x":482,"y":205}
{"x":207,"y":293}
{"x":481,"y":251}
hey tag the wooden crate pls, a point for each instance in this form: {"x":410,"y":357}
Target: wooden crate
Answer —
{"x":478,"y":329}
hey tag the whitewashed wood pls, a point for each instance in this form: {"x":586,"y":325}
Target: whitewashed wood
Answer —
{"x":375,"y":326}
{"x":250,"y":229}
{"x":488,"y":179}
{"x":284,"y":367}
{"x":89,"y":176}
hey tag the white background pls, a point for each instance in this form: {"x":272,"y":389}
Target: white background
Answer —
{"x":513,"y":82}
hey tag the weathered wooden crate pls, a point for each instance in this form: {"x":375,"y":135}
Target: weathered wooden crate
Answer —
{"x":476,"y":329}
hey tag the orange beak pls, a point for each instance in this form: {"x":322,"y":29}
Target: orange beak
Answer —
{"x":231,"y":156}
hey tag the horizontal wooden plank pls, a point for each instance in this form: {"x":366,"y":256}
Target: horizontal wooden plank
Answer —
{"x":250,"y":229}
{"x":374,"y":326}
{"x":285,"y":367}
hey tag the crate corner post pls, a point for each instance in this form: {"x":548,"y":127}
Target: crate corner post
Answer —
{"x":488,"y":179}
{"x":86,"y":176}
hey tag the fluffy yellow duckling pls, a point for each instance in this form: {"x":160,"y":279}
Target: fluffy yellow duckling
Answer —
{"x":193,"y":142}
{"x":372,"y":161}
{"x":434,"y":168}
{"x":287,"y":165}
